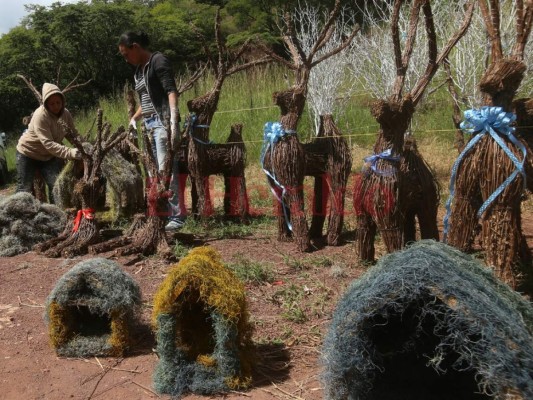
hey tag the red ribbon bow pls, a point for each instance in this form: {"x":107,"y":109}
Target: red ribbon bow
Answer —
{"x":87,"y":213}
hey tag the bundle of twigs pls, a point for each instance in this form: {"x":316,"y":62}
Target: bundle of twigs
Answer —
{"x":228,"y":159}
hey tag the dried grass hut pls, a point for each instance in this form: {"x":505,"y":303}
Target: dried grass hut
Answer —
{"x":25,"y":221}
{"x":429,"y":322}
{"x":202,"y":329}
{"x":90,"y":311}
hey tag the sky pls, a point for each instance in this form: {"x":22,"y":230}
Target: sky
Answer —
{"x":12,"y":11}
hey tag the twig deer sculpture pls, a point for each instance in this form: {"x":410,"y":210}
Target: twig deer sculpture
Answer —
{"x":285,"y":158}
{"x":489,"y":176}
{"x":398,"y":186}
{"x":77,"y":238}
{"x":205,"y":158}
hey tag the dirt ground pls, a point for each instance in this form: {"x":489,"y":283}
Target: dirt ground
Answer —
{"x":287,"y":335}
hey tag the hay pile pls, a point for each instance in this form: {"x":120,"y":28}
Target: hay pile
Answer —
{"x":90,"y":311}
{"x":25,"y":221}
{"x":429,"y":322}
{"x":202,"y":328}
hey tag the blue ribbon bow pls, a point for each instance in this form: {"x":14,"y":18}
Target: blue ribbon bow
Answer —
{"x":190,"y":124}
{"x":272,"y":133}
{"x":496,"y":122}
{"x":384,"y":155}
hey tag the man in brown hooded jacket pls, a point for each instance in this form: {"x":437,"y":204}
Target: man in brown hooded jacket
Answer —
{"x":40,"y":148}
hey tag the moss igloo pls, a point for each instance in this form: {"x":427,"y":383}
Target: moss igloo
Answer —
{"x":429,"y":322}
{"x":202,"y":329}
{"x":91,"y":310}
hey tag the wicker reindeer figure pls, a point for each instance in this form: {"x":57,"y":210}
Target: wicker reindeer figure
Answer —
{"x":205,"y":158}
{"x":84,"y":231}
{"x":489,"y":176}
{"x":146,"y":235}
{"x":284,"y":160}
{"x":397,"y":185}
{"x":329,"y":161}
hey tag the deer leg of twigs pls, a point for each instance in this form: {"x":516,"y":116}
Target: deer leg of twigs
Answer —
{"x":298,"y":220}
{"x":320,"y":202}
{"x":366,"y":231}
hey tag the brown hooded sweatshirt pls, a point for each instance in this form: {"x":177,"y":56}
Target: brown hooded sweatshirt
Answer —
{"x":42,"y":140}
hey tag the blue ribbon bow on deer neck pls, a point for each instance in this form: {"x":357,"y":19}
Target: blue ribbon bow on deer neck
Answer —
{"x":272,"y":133}
{"x":190,"y":124}
{"x":384,"y":155}
{"x":497,"y":123}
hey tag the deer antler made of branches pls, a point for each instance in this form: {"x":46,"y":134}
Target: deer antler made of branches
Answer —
{"x":72,"y":85}
{"x":185,"y":84}
{"x":491,"y":16}
{"x":105,"y":141}
{"x":301,"y":62}
{"x":434,"y":58}
{"x":226,"y":63}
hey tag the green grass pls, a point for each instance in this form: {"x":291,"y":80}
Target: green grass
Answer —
{"x":218,"y":227}
{"x":290,"y":299}
{"x":250,"y":271}
{"x":247,"y":98}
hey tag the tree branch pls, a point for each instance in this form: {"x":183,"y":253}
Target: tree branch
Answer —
{"x":32,"y":88}
{"x":72,"y":86}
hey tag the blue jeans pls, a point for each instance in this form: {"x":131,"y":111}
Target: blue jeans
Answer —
{"x":160,"y":148}
{"x":26,"y":168}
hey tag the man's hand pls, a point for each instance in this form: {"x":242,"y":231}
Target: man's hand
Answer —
{"x":77,"y":155}
{"x":133,"y":123}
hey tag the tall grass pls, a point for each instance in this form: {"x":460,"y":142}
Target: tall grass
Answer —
{"x":247,"y":98}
